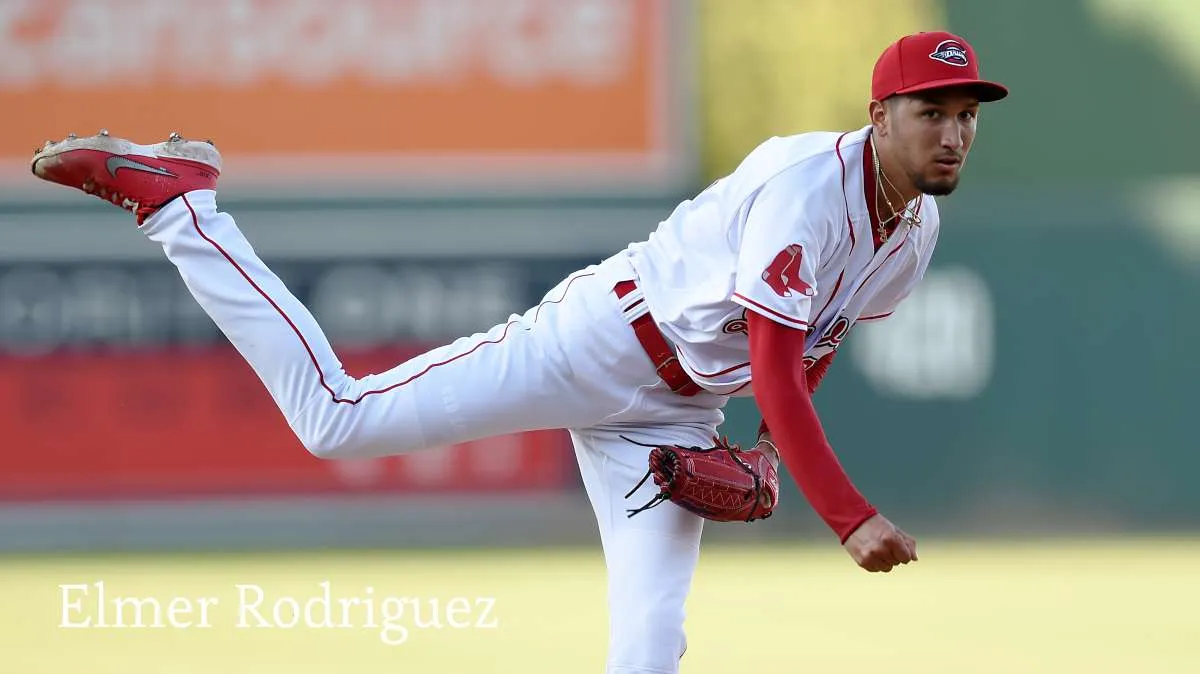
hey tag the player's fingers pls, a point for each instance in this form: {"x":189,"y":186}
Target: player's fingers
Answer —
{"x":899,"y":549}
{"x":876,"y":557}
{"x":884,"y":556}
{"x":872,"y":564}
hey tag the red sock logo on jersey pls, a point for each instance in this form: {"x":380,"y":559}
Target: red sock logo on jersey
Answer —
{"x":783,"y":274}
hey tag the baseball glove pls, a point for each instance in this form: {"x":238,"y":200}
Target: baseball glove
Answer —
{"x":722,"y":483}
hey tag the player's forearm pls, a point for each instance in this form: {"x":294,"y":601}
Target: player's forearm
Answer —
{"x":813,"y":376}
{"x":795,"y":430}
{"x":812,"y":463}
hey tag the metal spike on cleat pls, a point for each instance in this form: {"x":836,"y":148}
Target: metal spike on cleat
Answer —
{"x":174,"y":137}
{"x":103,"y":132}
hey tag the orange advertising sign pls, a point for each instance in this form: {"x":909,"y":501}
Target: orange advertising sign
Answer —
{"x":475,"y":92}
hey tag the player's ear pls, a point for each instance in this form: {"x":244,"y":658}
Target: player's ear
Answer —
{"x":878,"y":112}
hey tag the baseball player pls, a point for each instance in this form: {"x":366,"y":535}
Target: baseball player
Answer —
{"x":746,"y":290}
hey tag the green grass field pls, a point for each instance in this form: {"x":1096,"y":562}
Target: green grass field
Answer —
{"x":1033,"y":608}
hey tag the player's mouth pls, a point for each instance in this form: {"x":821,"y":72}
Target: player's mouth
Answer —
{"x":948,"y":164}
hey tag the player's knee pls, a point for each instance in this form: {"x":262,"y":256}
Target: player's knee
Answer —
{"x":329,"y":430}
{"x":323,"y":438}
{"x":321,"y":450}
{"x":346,"y":438}
{"x":322,"y":445}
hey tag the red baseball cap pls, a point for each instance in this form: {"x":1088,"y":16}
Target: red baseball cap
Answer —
{"x":925,"y":61}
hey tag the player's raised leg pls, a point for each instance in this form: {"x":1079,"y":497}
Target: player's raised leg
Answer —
{"x":517,"y":376}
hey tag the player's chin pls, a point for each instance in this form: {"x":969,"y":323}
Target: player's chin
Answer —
{"x":938,"y":185}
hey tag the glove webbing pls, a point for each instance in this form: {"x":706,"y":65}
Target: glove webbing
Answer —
{"x":664,"y":495}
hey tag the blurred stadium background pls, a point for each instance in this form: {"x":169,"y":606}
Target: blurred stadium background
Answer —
{"x":419,"y":169}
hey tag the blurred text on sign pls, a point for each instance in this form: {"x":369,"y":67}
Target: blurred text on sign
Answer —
{"x":499,"y":90}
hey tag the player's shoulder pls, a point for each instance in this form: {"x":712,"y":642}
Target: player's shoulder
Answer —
{"x":807,"y":165}
{"x":814,"y":151}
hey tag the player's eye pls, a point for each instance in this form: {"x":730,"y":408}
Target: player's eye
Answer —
{"x":931,"y":114}
{"x":968,"y":115}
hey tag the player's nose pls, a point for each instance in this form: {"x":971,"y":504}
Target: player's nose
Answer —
{"x":952,"y":137}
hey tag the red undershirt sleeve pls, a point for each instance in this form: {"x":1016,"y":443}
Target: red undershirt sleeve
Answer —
{"x":782,"y":394}
{"x":813,"y":377}
{"x":816,"y":373}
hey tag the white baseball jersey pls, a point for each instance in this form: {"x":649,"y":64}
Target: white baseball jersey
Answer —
{"x":788,"y":235}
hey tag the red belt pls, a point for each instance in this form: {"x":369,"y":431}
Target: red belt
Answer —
{"x":665,"y":363}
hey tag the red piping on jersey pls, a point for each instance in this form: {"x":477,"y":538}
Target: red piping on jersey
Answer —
{"x":734,"y":391}
{"x":772,"y":311}
{"x":849,"y":226}
{"x":876,"y":317}
{"x":710,"y":375}
{"x":837,"y":148}
{"x":836,"y":287}
{"x":312,"y":357}
{"x":895,"y":250}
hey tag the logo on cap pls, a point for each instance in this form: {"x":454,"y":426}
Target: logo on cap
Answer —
{"x":950,"y":52}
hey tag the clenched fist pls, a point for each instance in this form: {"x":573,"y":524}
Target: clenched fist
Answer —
{"x":878,"y":545}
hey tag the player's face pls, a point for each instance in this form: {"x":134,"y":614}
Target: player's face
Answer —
{"x":931,"y":134}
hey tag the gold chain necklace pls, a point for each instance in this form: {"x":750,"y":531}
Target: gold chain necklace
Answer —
{"x":907,"y":215}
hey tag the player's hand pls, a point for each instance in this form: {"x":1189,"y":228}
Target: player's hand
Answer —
{"x":878,"y":545}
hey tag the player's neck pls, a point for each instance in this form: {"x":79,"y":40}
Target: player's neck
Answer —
{"x":893,"y":184}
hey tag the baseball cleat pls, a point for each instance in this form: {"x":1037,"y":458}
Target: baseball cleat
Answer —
{"x":138,"y":178}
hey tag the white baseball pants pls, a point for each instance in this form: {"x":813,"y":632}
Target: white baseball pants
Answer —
{"x":570,"y":362}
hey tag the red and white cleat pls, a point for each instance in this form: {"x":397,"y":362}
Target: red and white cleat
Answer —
{"x":138,"y":178}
